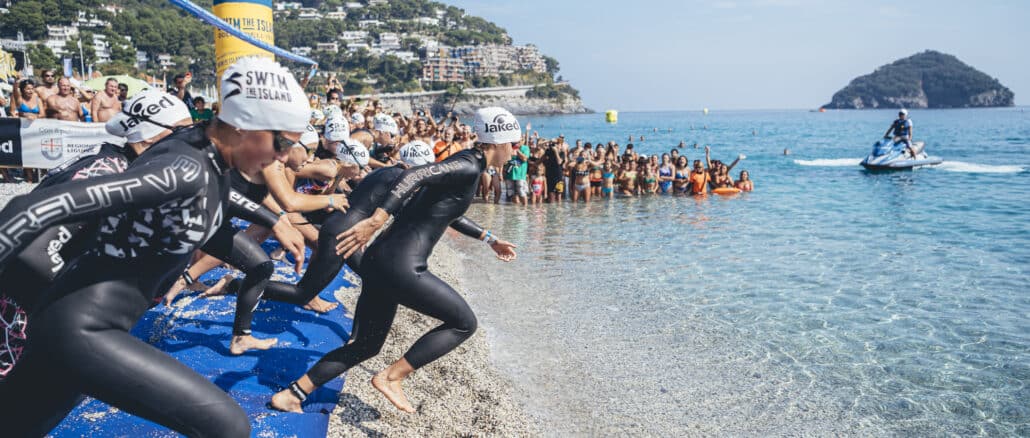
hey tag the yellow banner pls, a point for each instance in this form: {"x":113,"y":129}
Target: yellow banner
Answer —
{"x":253,"y":19}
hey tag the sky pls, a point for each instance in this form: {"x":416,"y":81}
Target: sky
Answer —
{"x":755,"y":54}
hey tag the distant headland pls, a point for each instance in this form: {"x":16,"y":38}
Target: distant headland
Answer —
{"x":925,"y":80}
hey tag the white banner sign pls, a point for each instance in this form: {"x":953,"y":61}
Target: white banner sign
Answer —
{"x":47,"y":143}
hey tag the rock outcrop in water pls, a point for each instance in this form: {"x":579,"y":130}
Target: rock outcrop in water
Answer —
{"x":925,"y":80}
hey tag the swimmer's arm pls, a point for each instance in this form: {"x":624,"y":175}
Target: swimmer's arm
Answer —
{"x":455,"y":170}
{"x":322,"y":170}
{"x":147,"y":185}
{"x":244,"y":208}
{"x":708,"y":157}
{"x":469,"y":228}
{"x":289,"y":199}
{"x":376,"y":164}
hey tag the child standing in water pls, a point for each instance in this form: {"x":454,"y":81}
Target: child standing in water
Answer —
{"x":538,"y":185}
{"x":608,"y":179}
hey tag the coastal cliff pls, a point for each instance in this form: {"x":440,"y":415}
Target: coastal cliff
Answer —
{"x":925,"y":80}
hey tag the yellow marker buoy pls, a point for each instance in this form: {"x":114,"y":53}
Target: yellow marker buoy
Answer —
{"x":611,"y":116}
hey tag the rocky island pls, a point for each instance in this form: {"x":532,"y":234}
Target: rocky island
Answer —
{"x":925,"y":80}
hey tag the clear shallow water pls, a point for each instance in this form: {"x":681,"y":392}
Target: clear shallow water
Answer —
{"x":829,"y":301}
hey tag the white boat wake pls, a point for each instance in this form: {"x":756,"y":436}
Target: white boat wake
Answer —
{"x":948,"y":166}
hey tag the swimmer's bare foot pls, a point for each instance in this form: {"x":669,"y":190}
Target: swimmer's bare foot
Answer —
{"x":218,"y":288}
{"x":285,"y":401}
{"x":178,"y":287}
{"x":278,"y":254}
{"x":242,"y":344}
{"x":319,"y":305}
{"x":392,"y":390}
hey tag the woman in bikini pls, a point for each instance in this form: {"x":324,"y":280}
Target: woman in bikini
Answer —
{"x":649,"y":180}
{"x":628,"y":178}
{"x":26,"y":103}
{"x":745,"y":183}
{"x":581,"y":179}
{"x":681,"y":175}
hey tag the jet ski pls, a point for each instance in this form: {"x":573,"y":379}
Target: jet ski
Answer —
{"x":888,"y":155}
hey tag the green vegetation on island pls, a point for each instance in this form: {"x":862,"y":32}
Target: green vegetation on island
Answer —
{"x":925,"y":80}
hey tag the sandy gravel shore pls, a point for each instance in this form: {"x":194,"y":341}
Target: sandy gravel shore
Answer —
{"x":458,"y":395}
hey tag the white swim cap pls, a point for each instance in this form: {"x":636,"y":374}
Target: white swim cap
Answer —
{"x":385,"y":123}
{"x":903,"y":111}
{"x":495,"y":125}
{"x":357,"y":119}
{"x":332,"y":111}
{"x":259,"y":94}
{"x":309,"y":138}
{"x":317,"y":115}
{"x":147,"y":114}
{"x":353,"y":152}
{"x":417,"y":153}
{"x":336,"y":129}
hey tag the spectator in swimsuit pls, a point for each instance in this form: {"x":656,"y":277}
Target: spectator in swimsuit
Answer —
{"x":665,"y":174}
{"x":26,"y":103}
{"x":649,"y":181}
{"x":608,"y":179}
{"x":699,"y":179}
{"x":681,"y":175}
{"x":581,"y":181}
{"x":539,"y":185}
{"x":628,"y":178}
{"x":745,"y":183}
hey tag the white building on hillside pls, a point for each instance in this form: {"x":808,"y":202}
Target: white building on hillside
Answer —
{"x":354,"y":47}
{"x":58,"y":36}
{"x":377,"y":2}
{"x":101,"y":48}
{"x":428,"y":21}
{"x":364,"y":24}
{"x":389,"y":41}
{"x":353,"y":36}
{"x":405,"y":56}
{"x":353,"y":5}
{"x":302,"y":50}
{"x":328,"y":47}
{"x":141,"y":59}
{"x":309,"y":14}
{"x":336,"y":15}
{"x":286,"y":6}
{"x":165,"y":60}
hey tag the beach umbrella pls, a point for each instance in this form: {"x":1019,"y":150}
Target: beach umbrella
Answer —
{"x":135,"y":85}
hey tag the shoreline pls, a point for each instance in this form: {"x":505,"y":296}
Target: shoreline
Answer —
{"x":461,"y":394}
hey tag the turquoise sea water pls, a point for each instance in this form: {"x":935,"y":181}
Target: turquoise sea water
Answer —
{"x":829,"y":301}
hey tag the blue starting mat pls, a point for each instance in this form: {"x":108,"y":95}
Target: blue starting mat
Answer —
{"x":198,"y":335}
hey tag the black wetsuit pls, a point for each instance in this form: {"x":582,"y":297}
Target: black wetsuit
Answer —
{"x":324,"y":264}
{"x":394,"y":268}
{"x":152,"y":217}
{"x":38,"y":264}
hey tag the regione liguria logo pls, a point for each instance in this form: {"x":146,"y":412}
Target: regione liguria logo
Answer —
{"x":500,"y":123}
{"x":52,"y":148}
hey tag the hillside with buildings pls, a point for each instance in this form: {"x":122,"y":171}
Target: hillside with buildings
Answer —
{"x":370,"y":46}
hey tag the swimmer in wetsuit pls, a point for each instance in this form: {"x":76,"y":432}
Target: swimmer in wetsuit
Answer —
{"x":394,"y":268}
{"x":169,"y":201}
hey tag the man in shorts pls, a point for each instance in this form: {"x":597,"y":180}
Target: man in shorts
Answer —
{"x":516,"y":176}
